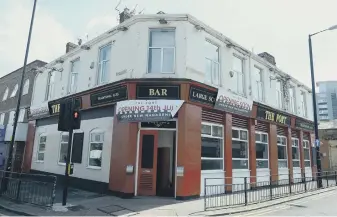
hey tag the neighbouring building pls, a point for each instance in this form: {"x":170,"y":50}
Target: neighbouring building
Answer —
{"x":328,"y":148}
{"x":327,"y":100}
{"x":166,"y":102}
{"x":9,"y":92}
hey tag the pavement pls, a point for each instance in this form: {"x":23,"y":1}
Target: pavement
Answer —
{"x":90,"y":204}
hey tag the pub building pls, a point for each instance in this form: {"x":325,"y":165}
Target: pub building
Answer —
{"x":164,"y":137}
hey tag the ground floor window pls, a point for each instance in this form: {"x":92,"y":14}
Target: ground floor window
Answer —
{"x":96,"y":148}
{"x":240,"y":148}
{"x":282,"y":152}
{"x":262,"y":152}
{"x":306,"y":152}
{"x":63,"y":148}
{"x":41,"y":149}
{"x":212,"y":142}
{"x":295,"y":152}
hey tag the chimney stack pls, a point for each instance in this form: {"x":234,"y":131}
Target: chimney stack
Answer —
{"x":126,"y":14}
{"x":268,"y":57}
{"x":70,"y":46}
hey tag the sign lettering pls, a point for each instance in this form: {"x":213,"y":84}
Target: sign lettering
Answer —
{"x":272,"y":116}
{"x":201,"y":95}
{"x":304,"y":125}
{"x":54,"y":106}
{"x":158,"y":92}
{"x":109,"y":96}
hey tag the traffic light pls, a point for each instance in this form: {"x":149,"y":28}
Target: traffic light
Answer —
{"x":64,"y":116}
{"x":76,"y":119}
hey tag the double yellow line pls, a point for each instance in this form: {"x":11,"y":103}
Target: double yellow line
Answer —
{"x":284,"y":206}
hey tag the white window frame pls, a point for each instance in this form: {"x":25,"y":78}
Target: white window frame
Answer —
{"x":241,"y":74}
{"x":162,"y":51}
{"x":38,"y":148}
{"x":50,"y":85}
{"x":247,"y":144}
{"x":15,"y":91}
{"x":22,"y":113}
{"x":100,"y":81}
{"x":25,"y":88}
{"x":299,"y":153}
{"x":11,"y":117}
{"x":292,"y":100}
{"x":285,"y":145}
{"x":304,"y":103}
{"x":306,"y":146}
{"x":93,"y":132}
{"x":279,"y":94}
{"x":214,"y":64}
{"x":2,"y":118}
{"x":259,"y":82}
{"x":5,"y":96}
{"x":266,"y":143}
{"x":72,"y":73}
{"x":60,"y":147}
{"x":216,"y":137}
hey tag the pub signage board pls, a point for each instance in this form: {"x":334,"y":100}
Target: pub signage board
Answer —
{"x":304,"y":125}
{"x":158,"y":92}
{"x":109,"y":96}
{"x":54,"y":106}
{"x":272,"y":116}
{"x":147,"y":110}
{"x":159,"y":124}
{"x":37,"y":112}
{"x":202,"y":95}
{"x":232,"y":103}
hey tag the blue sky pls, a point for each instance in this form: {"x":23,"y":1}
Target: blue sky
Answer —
{"x":280,"y":27}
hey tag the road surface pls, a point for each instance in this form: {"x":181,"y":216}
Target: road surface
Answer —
{"x":319,"y":205}
{"x":6,"y":213}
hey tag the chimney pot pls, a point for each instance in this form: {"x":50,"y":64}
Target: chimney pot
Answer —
{"x":268,"y":57}
{"x":70,"y":46}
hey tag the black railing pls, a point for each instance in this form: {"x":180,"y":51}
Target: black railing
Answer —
{"x":231,"y":195}
{"x":28,"y":188}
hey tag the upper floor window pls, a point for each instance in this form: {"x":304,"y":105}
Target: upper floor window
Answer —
{"x":258,"y":79}
{"x":104,"y":64}
{"x":303,"y":104}
{"x":74,"y":76}
{"x":292,"y":105}
{"x":50,"y":85}
{"x":240,"y":148}
{"x":2,"y":119}
{"x":22,"y":115}
{"x":161,"y":51}
{"x":15,"y":90}
{"x":5,"y":94}
{"x":239,"y":75}
{"x":295,"y":152}
{"x":25,"y":88}
{"x":279,"y":94}
{"x":11,"y":117}
{"x":212,"y":73}
{"x":212,"y":141}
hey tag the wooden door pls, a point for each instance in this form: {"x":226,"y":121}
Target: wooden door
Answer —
{"x":147,"y":165}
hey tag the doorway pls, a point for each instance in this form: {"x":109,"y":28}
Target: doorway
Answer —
{"x":156,"y":165}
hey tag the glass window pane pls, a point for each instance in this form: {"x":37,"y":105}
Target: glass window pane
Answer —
{"x":42,"y":147}
{"x":306,"y":153}
{"x":237,"y":64}
{"x":240,"y":164}
{"x":262,"y":164}
{"x":282,"y":164}
{"x":206,"y":129}
{"x":296,"y":163}
{"x":235,"y":134}
{"x":239,"y":149}
{"x":257,"y":137}
{"x":208,"y":70}
{"x":162,"y":38}
{"x":105,"y":53}
{"x":261,"y":151}
{"x":104,"y":70}
{"x":217,"y":131}
{"x":211,"y":164}
{"x":154,"y":60}
{"x":63,"y":153}
{"x":211,"y":51}
{"x":264,"y":138}
{"x":282,"y":152}
{"x":295,"y":153}
{"x":211,"y":147}
{"x":243,"y":135}
{"x":168,"y":60}
{"x":95,"y":156}
{"x":40,"y":156}
{"x":307,"y":163}
{"x":43,"y":139}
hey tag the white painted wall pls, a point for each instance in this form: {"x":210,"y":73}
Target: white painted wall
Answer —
{"x":129,"y":53}
{"x":297,"y":174}
{"x":308,"y":172}
{"x":263,"y":175}
{"x":215,"y":178}
{"x":238,"y":179}
{"x":283,"y":174}
{"x":51,"y":164}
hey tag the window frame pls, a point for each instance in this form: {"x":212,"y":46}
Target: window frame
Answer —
{"x":299,"y":152}
{"x":100,"y":63}
{"x":71,"y":89}
{"x":11,"y":117}
{"x":286,"y":146}
{"x":14,"y":91}
{"x":60,"y":147}
{"x":217,"y":63}
{"x":5,"y":95}
{"x":38,"y":148}
{"x":243,"y":93}
{"x":50,"y":85}
{"x":95,"y":131}
{"x":292,"y":100}
{"x":25,"y":89}
{"x":247,"y":146}
{"x":266,"y":143}
{"x":22,"y":113}
{"x":258,"y":83}
{"x":161,"y":51}
{"x":306,"y":146}
{"x":279,"y":94}
{"x":304,"y":103}
{"x":2,"y":118}
{"x":217,"y":137}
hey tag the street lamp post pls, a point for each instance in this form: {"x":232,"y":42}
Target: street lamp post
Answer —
{"x":318,"y":157}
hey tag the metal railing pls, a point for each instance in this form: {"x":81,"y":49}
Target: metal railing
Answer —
{"x":219,"y":194}
{"x":28,"y":188}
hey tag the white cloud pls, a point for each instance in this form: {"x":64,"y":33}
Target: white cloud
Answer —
{"x":48,"y":38}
